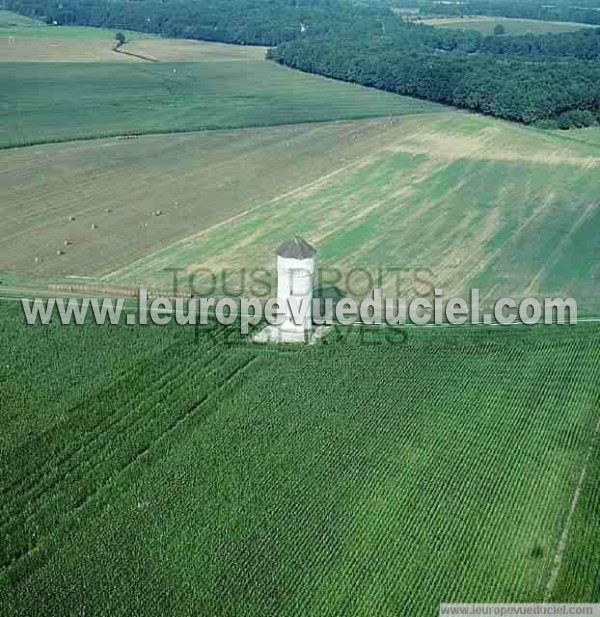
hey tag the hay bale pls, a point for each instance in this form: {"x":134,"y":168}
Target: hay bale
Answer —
{"x":71,"y":218}
{"x":94,"y":226}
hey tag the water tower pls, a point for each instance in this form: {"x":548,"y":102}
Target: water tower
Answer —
{"x":295,"y":268}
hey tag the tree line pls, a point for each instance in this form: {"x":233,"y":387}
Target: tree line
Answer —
{"x":253,"y":22}
{"x":552,"y":80}
{"x":561,"y":94}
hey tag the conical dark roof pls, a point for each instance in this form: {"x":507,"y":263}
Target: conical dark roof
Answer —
{"x":296,"y":248}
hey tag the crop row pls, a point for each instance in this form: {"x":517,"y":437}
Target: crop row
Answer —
{"x":133,"y":420}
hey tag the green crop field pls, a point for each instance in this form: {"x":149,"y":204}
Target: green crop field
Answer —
{"x":512,"y":26}
{"x":95,"y":100}
{"x":85,"y":100}
{"x":172,"y":470}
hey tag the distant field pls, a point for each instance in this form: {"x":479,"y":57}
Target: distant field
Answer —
{"x":182,"y":50}
{"x":27,"y":40}
{"x":91,"y":91}
{"x":8,"y":19}
{"x":486,"y":25}
{"x":590,"y":135}
{"x":160,"y":474}
{"x":84,"y":100}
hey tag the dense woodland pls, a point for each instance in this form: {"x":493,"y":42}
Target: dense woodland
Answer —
{"x":551,"y":80}
{"x":554,"y":94}
{"x":255,"y":22}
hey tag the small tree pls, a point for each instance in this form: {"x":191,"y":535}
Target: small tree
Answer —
{"x":499,"y":29}
{"x":120,"y":39}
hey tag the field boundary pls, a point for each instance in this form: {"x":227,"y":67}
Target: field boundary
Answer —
{"x":564,"y":538}
{"x":175,"y":131}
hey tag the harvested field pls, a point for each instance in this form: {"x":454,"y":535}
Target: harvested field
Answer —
{"x":198,"y":180}
{"x":457,"y":196}
{"x":181,"y":50}
{"x":512,"y":26}
{"x":27,"y":40}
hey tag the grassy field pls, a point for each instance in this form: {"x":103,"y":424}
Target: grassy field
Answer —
{"x":459,"y":196}
{"x":27,"y":40}
{"x":161,"y":473}
{"x":85,"y":100}
{"x":183,"y":50}
{"x":10,"y":20}
{"x":512,"y":26}
{"x":590,"y":135}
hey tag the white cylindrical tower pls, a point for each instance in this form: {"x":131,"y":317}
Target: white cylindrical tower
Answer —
{"x":295,"y":268}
